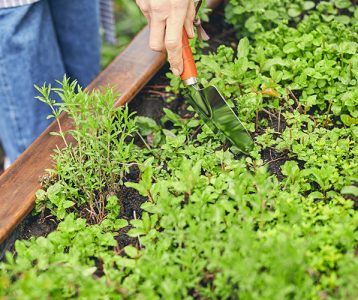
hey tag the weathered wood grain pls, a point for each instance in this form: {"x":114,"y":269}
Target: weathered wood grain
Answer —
{"x":127,"y":74}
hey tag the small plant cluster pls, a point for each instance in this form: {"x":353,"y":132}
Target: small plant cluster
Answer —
{"x":300,"y":84}
{"x":85,"y":174}
{"x":262,"y":15}
{"x":213,"y":224}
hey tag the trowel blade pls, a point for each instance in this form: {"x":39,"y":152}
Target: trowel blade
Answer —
{"x":218,"y":115}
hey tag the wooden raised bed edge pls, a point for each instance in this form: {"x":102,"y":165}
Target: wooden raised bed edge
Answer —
{"x":127,"y":75}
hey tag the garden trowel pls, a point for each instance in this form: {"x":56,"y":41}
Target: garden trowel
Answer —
{"x":211,"y":106}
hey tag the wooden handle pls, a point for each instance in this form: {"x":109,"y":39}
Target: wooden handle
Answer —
{"x":189,"y":69}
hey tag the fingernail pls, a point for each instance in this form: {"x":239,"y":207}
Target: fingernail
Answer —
{"x":176,"y":72}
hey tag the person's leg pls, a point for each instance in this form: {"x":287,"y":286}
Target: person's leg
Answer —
{"x":77,"y":27}
{"x":29,"y":55}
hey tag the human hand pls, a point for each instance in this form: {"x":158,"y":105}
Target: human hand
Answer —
{"x":167,"y":19}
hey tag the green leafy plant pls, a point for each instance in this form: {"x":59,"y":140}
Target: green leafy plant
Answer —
{"x":281,"y":223}
{"x":263,"y":15}
{"x":97,"y":155}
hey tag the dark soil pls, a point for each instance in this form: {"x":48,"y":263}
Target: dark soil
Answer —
{"x":38,"y":226}
{"x":130,"y":201}
{"x":32,"y":226}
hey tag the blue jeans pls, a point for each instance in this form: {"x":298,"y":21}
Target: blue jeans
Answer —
{"x":41,"y":43}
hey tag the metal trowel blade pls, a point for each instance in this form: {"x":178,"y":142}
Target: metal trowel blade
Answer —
{"x":219,"y":116}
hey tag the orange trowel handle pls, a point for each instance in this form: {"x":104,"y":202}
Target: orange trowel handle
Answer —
{"x":189,"y":69}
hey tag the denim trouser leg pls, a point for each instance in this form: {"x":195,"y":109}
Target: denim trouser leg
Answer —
{"x":77,"y":25}
{"x":40,"y":43}
{"x":29,"y":55}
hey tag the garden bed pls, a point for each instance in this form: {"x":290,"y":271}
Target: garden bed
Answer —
{"x":149,"y":103}
{"x":161,"y":208}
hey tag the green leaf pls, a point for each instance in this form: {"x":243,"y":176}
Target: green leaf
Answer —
{"x":193,"y":123}
{"x":146,"y":125}
{"x":290,"y":47}
{"x":67,"y":204}
{"x":343,"y":19}
{"x":350,"y":189}
{"x":149,"y":207}
{"x":131,"y":251}
{"x":271,"y":15}
{"x":120,"y":223}
{"x":139,"y":187}
{"x":136,"y":223}
{"x":171,"y":116}
{"x":40,"y":195}
{"x":54,"y":190}
{"x":243,"y":48}
{"x":348,"y":120}
{"x":294,"y":11}
{"x":169,"y":133}
{"x":273,"y":62}
{"x":252,"y":24}
{"x":308,"y":5}
{"x":136,"y":232}
{"x":88,"y":271}
{"x":343,"y":3}
{"x":348,"y":47}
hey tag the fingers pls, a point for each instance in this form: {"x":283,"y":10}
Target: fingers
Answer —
{"x":173,"y":44}
{"x":189,"y":20}
{"x":158,"y":15}
{"x":173,"y":35}
{"x":157,"y":30}
{"x":167,"y":19}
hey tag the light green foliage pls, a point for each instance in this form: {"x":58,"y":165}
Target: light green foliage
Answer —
{"x":251,"y":17}
{"x":56,"y":197}
{"x":211,"y":224}
{"x":230,"y":233}
{"x":146,"y":183}
{"x":262,"y":15}
{"x":215,"y":226}
{"x":63,"y":264}
{"x":329,"y":155}
{"x":318,"y":59}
